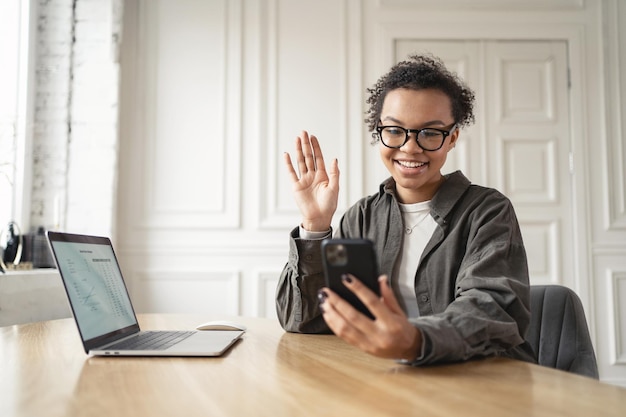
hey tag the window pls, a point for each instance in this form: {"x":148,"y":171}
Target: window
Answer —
{"x":15,"y":111}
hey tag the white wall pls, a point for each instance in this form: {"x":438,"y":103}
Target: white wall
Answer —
{"x":267,"y":69}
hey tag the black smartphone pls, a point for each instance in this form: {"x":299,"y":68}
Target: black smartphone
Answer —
{"x":350,"y":256}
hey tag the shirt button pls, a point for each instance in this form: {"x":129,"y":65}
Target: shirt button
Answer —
{"x":424,"y":298}
{"x":308,"y":258}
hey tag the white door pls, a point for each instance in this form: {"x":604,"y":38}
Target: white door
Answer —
{"x":520,"y":141}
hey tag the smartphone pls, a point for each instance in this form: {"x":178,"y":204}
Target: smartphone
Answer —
{"x":350,"y":256}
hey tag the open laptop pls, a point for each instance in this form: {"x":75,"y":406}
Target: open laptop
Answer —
{"x":104,"y":313}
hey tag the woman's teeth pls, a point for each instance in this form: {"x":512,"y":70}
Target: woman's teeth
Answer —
{"x":411,"y":164}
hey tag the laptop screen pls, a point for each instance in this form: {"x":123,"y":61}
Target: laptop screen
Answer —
{"x":95,"y":287}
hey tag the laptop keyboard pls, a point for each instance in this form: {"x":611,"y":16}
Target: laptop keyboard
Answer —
{"x":148,"y":340}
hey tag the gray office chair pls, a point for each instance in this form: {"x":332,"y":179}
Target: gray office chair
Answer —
{"x":558,"y":330}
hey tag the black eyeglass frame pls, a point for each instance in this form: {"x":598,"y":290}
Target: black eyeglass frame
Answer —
{"x":407,"y":132}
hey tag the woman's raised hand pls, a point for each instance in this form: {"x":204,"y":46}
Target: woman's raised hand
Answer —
{"x":315,"y":190}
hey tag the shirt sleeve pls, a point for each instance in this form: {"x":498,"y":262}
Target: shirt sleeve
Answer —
{"x":306,"y":235}
{"x":302,"y":277}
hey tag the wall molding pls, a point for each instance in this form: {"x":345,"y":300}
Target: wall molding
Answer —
{"x":266,"y":282}
{"x":614,"y":37}
{"x":483,"y":5}
{"x":206,"y":291}
{"x":618,"y":293}
{"x":224,"y":211}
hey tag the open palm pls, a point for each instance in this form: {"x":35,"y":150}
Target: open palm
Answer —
{"x":315,"y":190}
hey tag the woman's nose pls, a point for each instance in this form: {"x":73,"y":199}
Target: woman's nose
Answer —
{"x":411,"y":145}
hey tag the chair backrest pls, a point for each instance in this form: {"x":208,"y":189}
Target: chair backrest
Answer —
{"x":558,"y":330}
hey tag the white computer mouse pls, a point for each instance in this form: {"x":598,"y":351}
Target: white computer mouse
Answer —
{"x":221,"y":325}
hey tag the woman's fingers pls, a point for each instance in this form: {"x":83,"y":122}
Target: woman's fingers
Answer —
{"x":290,"y":169}
{"x":309,"y":157}
{"x":343,"y":319}
{"x":300,"y":158}
{"x":317,"y":156}
{"x":308,"y":151}
{"x":366,"y":295}
{"x":333,"y":174}
{"x":389,"y":335}
{"x":387,"y":295}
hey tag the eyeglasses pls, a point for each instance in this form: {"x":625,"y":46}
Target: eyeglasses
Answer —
{"x":429,"y":139}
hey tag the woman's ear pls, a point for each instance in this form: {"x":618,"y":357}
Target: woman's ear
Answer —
{"x":453,"y":138}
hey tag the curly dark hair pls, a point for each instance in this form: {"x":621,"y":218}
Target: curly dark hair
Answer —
{"x":417,"y":73}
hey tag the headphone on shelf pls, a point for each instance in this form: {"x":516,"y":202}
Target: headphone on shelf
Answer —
{"x":20,"y":244}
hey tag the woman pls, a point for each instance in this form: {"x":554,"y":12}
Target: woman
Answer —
{"x":454,"y":281}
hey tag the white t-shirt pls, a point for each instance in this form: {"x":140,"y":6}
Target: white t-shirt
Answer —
{"x":419,"y":226}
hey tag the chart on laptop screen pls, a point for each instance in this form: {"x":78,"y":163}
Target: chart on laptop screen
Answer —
{"x":95,"y":287}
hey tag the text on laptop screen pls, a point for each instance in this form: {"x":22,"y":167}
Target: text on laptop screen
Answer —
{"x":95,"y":286}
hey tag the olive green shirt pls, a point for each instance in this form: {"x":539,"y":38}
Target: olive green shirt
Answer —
{"x":471,"y":284}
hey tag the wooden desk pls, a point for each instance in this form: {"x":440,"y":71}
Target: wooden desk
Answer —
{"x":45,"y":372}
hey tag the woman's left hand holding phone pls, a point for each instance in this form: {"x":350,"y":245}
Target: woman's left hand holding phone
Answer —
{"x":389,"y":335}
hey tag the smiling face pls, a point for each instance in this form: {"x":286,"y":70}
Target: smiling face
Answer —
{"x":417,"y":172}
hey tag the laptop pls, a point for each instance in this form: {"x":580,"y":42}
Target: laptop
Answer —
{"x":103,"y":311}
